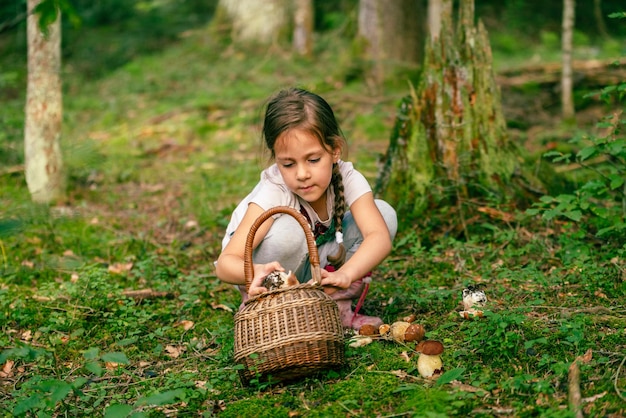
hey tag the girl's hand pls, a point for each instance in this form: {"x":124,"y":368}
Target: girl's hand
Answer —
{"x":260,"y":271}
{"x":333,"y":281}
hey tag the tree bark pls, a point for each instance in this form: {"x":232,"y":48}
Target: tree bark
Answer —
{"x":567,"y":100}
{"x":44,"y":111}
{"x":255,"y":21}
{"x":391,"y":33}
{"x":434,"y":17}
{"x":303,"y":27}
{"x":450,"y":141}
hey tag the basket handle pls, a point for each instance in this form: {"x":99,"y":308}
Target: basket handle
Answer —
{"x":314,"y":258}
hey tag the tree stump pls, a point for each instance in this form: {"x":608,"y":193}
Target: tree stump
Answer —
{"x":449,"y":144}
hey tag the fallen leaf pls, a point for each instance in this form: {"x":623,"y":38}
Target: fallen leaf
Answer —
{"x":186,"y":324}
{"x":465,"y":387}
{"x":173,"y":351}
{"x":211,"y":351}
{"x":586,"y":358}
{"x":7,"y":369}
{"x":119,"y":268}
{"x":497,"y":214}
{"x":399,"y":373}
{"x":409,"y":318}
{"x":404,"y":356}
{"x":594,"y":397}
{"x":221,"y":306}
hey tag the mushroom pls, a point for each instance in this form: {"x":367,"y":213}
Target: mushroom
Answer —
{"x":429,"y":361}
{"x":473,"y":296}
{"x":402,"y":332}
{"x":368,"y":329}
{"x":278,"y":280}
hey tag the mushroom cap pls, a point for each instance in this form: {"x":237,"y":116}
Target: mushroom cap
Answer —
{"x":430,"y":347}
{"x":414,"y":332}
{"x":368,"y":329}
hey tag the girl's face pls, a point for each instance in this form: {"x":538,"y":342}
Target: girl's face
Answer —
{"x":306,"y":166}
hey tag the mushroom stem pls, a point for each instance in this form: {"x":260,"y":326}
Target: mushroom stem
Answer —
{"x":428,"y":365}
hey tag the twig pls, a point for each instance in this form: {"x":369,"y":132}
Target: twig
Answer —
{"x":616,"y":377}
{"x":574,"y":398}
{"x":142,"y":294}
{"x":347,"y":409}
{"x":573,"y":379}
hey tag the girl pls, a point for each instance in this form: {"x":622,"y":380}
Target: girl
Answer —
{"x":353,"y":231}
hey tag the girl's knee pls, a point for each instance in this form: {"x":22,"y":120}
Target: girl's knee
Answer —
{"x":389,"y":215}
{"x":285,"y":242}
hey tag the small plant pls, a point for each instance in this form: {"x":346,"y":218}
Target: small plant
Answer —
{"x":601,"y":200}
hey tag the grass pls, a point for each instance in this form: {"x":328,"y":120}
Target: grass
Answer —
{"x":158,"y":156}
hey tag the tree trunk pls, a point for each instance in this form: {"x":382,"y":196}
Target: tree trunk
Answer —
{"x":567,"y":101}
{"x":434,"y":17}
{"x":450,"y":142}
{"x":597,"y":13}
{"x":254,"y":21}
{"x":303,"y":27}
{"x":44,"y":110}
{"x":391,"y":33}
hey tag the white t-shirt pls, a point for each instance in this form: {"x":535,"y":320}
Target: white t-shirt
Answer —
{"x":271,"y":191}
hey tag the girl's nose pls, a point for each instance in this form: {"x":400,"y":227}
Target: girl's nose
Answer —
{"x":303,"y":172}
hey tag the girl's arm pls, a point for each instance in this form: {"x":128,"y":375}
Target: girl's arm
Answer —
{"x":375,"y":247}
{"x":229,"y":266}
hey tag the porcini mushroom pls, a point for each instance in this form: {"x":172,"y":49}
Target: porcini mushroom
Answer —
{"x":472,"y":297}
{"x":279,"y":279}
{"x":404,"y":332}
{"x":429,"y":361}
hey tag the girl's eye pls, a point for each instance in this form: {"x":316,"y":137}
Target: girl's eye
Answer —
{"x":315,"y":160}
{"x":287,"y":165}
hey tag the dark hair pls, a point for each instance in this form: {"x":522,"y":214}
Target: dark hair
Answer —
{"x":297,"y":108}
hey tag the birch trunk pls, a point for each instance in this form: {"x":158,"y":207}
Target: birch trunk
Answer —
{"x":255,"y":21}
{"x":434,"y":17}
{"x":44,"y":111}
{"x":303,"y":27}
{"x":567,"y":101}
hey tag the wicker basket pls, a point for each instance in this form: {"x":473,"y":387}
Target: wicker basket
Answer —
{"x":287,"y":333}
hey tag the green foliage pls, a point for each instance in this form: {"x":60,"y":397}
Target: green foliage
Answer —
{"x":599,"y":205}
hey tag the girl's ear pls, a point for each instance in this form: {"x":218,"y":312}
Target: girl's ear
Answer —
{"x":336,"y":154}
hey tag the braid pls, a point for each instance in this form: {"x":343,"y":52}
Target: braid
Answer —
{"x":338,"y":259}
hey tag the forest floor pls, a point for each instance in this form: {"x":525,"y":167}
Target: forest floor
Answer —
{"x":159,"y":154}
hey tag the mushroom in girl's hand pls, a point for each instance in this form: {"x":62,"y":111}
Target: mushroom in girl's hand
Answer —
{"x":278,"y":280}
{"x":429,"y":361}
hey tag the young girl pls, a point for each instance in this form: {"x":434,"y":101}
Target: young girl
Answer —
{"x":353,"y":231}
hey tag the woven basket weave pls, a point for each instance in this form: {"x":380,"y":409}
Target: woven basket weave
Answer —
{"x":291,"y":332}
